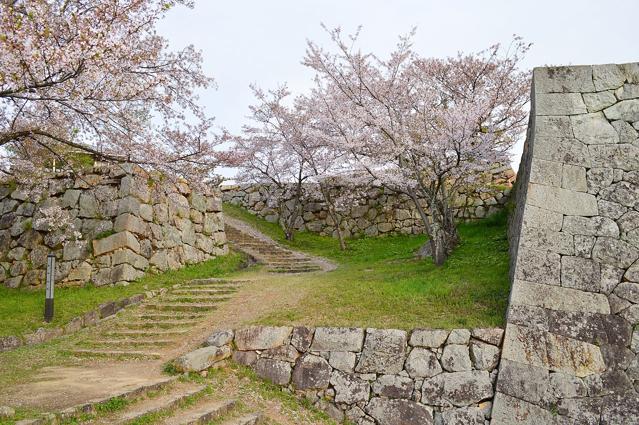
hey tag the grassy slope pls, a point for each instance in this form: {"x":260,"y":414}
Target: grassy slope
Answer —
{"x":379,"y":283}
{"x":21,"y":310}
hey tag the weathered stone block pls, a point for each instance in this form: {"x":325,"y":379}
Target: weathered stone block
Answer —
{"x":557,"y":298}
{"x":456,"y":358}
{"x":484,"y":356}
{"x":116,"y":241}
{"x":576,"y":79}
{"x":384,"y":351}
{"x":593,"y":129}
{"x":399,"y":412}
{"x":302,"y":338}
{"x":276,"y":371}
{"x":393,"y":386}
{"x":490,"y":335}
{"x":220,"y":338}
{"x":422,"y":363}
{"x":429,"y":338}
{"x":342,"y":360}
{"x":559,"y":104}
{"x":580,"y":273}
{"x":262,"y":338}
{"x":311,"y":372}
{"x":457,"y":389}
{"x":550,"y":351}
{"x":338,"y":339}
{"x":202,"y":358}
{"x":348,"y":388}
{"x":562,"y":200}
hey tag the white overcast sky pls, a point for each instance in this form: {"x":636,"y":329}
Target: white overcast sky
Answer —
{"x":263,"y":41}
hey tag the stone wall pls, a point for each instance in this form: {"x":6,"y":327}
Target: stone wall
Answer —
{"x":130,"y":222}
{"x":571,"y":345}
{"x":380,"y":211}
{"x":370,"y":376}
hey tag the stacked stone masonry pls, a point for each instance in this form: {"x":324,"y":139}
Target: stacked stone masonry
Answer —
{"x":571,"y":345}
{"x":370,"y":376}
{"x":379,"y":211}
{"x":129,"y":222}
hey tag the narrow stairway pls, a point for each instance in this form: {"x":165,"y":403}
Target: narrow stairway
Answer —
{"x":180,"y":402}
{"x":160,"y":323}
{"x":264,"y":250}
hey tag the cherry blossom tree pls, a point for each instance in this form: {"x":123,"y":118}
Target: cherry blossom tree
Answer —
{"x":286,"y":150}
{"x":93,"y":76}
{"x":272,"y":151}
{"x":422,"y":126}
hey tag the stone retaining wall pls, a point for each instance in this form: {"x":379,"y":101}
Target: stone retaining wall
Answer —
{"x":130,"y":222}
{"x":380,"y":211}
{"x":571,"y":346}
{"x":370,"y":376}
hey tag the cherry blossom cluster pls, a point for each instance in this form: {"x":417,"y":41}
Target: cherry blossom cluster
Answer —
{"x":93,"y":76}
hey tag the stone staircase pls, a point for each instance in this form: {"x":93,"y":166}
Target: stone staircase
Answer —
{"x":275,"y":257}
{"x":176,"y":402}
{"x":159,"y":324}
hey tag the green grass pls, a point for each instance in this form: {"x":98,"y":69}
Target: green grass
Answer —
{"x":379,"y":283}
{"x":21,"y":310}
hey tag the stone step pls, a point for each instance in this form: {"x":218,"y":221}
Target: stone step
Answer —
{"x":159,"y":404}
{"x":250,"y":419}
{"x":292,"y":269}
{"x":158,"y":315}
{"x":214,"y":281}
{"x":204,"y":286}
{"x":128,"y":342}
{"x":195,"y":298}
{"x":190,"y":291}
{"x":164,"y":324}
{"x":169,"y":306}
{"x":114,"y":353}
{"x":201,"y":413}
{"x":149,"y":332}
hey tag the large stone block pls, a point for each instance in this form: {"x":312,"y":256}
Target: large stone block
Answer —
{"x":456,"y":358}
{"x":624,"y":156}
{"x":393,"y":386}
{"x":615,"y":252}
{"x":116,"y":241}
{"x":557,"y":298}
{"x":276,"y":371}
{"x":129,"y":222}
{"x":627,"y":110}
{"x":202,"y":358}
{"x":538,"y":266}
{"x":513,"y":411}
{"x":429,"y":338}
{"x":338,"y":339}
{"x":593,"y":129}
{"x":348,"y":388}
{"x":311,"y":372}
{"x":564,"y":201}
{"x":261,"y":337}
{"x":422,"y":363}
{"x":399,"y":412}
{"x":563,"y":79}
{"x":559,"y":104}
{"x":553,"y":352}
{"x":384,"y":351}
{"x":457,"y":389}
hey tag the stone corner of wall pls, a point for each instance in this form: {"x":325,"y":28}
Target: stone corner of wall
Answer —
{"x":571,"y":347}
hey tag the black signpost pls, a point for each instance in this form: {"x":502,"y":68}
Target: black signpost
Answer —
{"x":48,"y":299}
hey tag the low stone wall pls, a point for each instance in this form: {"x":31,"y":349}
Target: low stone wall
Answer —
{"x":571,"y":346}
{"x":129,"y":222}
{"x":380,"y":212}
{"x":370,"y":376}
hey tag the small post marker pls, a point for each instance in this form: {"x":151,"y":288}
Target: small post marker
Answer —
{"x":48,"y":299}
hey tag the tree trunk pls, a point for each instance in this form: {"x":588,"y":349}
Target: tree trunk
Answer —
{"x":440,"y":228}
